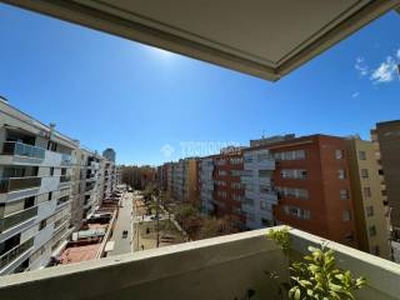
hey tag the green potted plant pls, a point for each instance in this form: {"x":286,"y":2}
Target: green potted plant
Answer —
{"x":317,"y":276}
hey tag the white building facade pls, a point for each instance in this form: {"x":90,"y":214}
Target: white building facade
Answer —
{"x":48,"y":186}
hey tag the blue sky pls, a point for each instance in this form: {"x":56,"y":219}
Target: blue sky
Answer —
{"x":152,"y":106}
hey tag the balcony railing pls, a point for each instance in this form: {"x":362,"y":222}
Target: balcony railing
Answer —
{"x":19,"y":183}
{"x":226,"y":267}
{"x":66,"y":159}
{"x":17,"y":218}
{"x":21,"y":149}
{"x":14,"y":253}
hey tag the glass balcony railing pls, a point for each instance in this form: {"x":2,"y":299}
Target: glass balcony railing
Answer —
{"x":17,"y":218}
{"x":14,"y":253}
{"x":19,"y":183}
{"x":21,"y":149}
{"x":66,"y":159}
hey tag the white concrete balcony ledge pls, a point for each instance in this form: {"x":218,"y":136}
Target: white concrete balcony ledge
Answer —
{"x":219,"y":268}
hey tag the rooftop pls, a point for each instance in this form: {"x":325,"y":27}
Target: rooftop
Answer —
{"x":79,"y":254}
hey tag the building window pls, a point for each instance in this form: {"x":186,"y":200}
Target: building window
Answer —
{"x":236,"y":161}
{"x":339,"y":154}
{"x":263,"y":205}
{"x":292,"y":192}
{"x":297,"y":212}
{"x":305,"y":215}
{"x":367,"y":192}
{"x":291,"y":155}
{"x":248,"y":159}
{"x":362,"y":155}
{"x":301,"y":154}
{"x":294,"y":174}
{"x":372,"y":230}
{"x":236,"y":185}
{"x":341,"y":174}
{"x":364,"y":173}
{"x":51,"y":171}
{"x":50,"y":196}
{"x":29,"y":202}
{"x":42,"y":224}
{"x":344,"y":194}
{"x":222,"y":194}
{"x":222,"y":173}
{"x":235,"y":173}
{"x":302,"y":193}
{"x":237,"y":197}
{"x":370,"y":211}
{"x":346,"y":216}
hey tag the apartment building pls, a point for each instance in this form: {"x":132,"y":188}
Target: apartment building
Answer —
{"x":162,"y":176}
{"x":35,"y":188}
{"x":315,"y":183}
{"x":48,"y":186}
{"x":91,"y":180}
{"x":371,"y":214}
{"x":259,"y":194}
{"x":205,"y":184}
{"x":180,"y":179}
{"x":109,"y":181}
{"x":303,"y":182}
{"x":313,"y":187}
{"x":110,"y":154}
{"x":228,"y":191}
{"x":169,"y":179}
{"x":325,"y":185}
{"x":386,"y":137}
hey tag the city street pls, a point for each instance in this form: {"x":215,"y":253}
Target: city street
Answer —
{"x":122,"y":244}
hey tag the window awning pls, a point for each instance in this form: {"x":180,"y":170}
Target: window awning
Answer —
{"x":264,"y":38}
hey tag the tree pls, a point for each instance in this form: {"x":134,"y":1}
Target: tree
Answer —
{"x":212,"y":226}
{"x":138,"y":177}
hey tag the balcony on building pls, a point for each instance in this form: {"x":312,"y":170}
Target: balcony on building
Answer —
{"x":89,"y":186}
{"x":14,"y":219}
{"x":23,"y":145}
{"x":21,"y":149}
{"x":65,"y":178}
{"x":19,"y":142}
{"x":12,"y":251}
{"x":228,"y":267}
{"x":19,"y":183}
{"x":66,"y":159}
